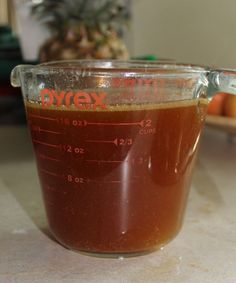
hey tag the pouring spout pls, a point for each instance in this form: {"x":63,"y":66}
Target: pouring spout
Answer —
{"x":17,"y":72}
{"x":221,"y":81}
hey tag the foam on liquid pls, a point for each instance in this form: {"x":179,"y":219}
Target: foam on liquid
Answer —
{"x":124,"y":107}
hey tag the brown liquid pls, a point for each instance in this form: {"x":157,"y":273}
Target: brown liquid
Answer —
{"x":116,"y":181}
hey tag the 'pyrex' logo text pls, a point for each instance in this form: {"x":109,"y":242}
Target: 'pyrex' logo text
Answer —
{"x":81,"y":100}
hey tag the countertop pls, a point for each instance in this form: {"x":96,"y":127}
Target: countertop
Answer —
{"x":204,"y":251}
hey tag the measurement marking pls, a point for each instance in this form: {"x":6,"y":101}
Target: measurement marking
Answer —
{"x":49,"y":158}
{"x":114,"y":124}
{"x":109,"y":182}
{"x":35,"y":128}
{"x":47,"y":144}
{"x":48,"y":131}
{"x":106,"y":182}
{"x":105,"y":161}
{"x":53,"y":189}
{"x":103,"y":141}
{"x":43,"y":117}
{"x":51,"y":173}
{"x":50,"y":188}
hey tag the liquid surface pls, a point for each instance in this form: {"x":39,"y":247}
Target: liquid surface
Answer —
{"x":116,"y":181}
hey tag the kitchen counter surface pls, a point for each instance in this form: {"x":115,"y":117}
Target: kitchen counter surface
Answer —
{"x":204,"y":251}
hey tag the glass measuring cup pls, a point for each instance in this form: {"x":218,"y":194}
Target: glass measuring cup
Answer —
{"x":115,"y":144}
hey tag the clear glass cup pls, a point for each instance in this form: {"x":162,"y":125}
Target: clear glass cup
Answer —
{"x":115,"y":144}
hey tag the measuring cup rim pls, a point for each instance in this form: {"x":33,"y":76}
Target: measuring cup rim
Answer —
{"x":121,"y":66}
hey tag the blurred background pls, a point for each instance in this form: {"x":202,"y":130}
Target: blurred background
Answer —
{"x":199,"y":32}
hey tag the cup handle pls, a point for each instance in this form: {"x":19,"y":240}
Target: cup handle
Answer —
{"x":221,"y":81}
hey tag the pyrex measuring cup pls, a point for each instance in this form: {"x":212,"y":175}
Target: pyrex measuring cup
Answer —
{"x":115,"y":144}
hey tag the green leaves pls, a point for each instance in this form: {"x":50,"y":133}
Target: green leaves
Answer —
{"x":102,"y":14}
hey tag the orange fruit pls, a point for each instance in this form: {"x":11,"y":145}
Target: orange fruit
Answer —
{"x":230,"y":106}
{"x":216,"y":105}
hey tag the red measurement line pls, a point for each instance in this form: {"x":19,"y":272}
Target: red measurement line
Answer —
{"x":102,"y":141}
{"x":48,"y":131}
{"x":114,"y":124}
{"x":42,"y":117}
{"x":53,"y":189}
{"x":50,"y":188}
{"x":38,"y":129}
{"x":105,"y":161}
{"x":51,"y":173}
{"x":47,"y":144}
{"x":49,"y":158}
{"x":106,"y":182}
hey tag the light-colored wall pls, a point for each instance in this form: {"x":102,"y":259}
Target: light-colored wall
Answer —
{"x":3,"y":12}
{"x":197,"y":31}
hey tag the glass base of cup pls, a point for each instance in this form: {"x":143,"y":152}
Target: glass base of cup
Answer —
{"x":113,"y":254}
